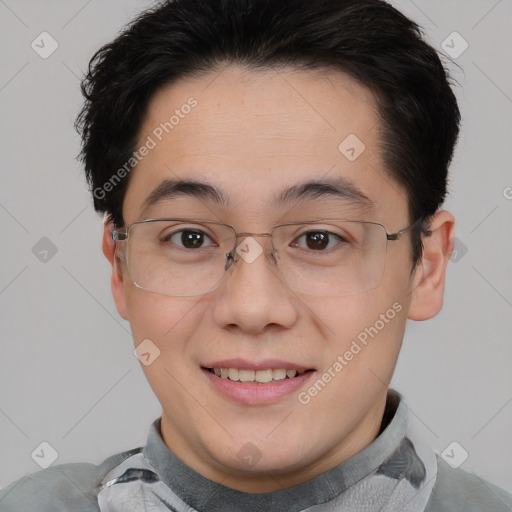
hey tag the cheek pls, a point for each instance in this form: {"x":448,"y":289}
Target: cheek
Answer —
{"x":167,"y":321}
{"x":163,"y":327}
{"x":359,"y":360}
{"x":362,"y":333}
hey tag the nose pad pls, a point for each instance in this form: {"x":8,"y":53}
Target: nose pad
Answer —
{"x":229,"y":259}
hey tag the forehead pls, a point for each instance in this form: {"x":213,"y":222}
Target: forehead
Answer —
{"x":255,"y":133}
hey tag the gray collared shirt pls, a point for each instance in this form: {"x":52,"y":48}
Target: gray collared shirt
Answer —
{"x":396,"y":472}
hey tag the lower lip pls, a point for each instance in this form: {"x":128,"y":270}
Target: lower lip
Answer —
{"x":252,"y":393}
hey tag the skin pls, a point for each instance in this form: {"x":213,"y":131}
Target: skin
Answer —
{"x":252,"y":134}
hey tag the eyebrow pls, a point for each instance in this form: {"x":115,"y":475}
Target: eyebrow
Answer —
{"x":339,"y":188}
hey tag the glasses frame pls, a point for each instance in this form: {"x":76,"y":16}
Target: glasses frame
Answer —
{"x":122,"y":234}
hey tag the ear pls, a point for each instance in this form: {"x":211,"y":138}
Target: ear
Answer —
{"x":429,"y":276}
{"x":117,"y":284}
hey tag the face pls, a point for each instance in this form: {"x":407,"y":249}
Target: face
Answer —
{"x":251,"y":135}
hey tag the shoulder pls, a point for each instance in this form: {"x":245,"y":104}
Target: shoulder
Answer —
{"x":457,"y":490}
{"x":60,"y":488}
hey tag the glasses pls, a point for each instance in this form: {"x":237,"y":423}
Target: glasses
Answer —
{"x":190,"y":257}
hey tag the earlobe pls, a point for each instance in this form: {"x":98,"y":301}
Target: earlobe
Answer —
{"x":117,"y":279}
{"x":429,"y":278}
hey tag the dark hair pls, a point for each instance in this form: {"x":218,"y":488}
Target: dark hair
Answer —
{"x":367,"y":39}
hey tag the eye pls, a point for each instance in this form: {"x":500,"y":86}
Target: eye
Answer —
{"x":188,"y":238}
{"x":318,"y":240}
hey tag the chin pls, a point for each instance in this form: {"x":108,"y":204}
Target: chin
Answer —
{"x":260,"y":454}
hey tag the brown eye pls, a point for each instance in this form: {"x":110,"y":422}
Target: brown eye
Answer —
{"x":188,"y":239}
{"x":318,"y":240}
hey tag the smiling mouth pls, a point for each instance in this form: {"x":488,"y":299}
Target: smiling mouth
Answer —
{"x":256,"y":376}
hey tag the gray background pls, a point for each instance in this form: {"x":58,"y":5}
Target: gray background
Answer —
{"x":67,"y":372}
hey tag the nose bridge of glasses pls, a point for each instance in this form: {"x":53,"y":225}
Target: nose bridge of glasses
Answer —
{"x":238,"y":235}
{"x":248,"y":249}
{"x":245,"y":236}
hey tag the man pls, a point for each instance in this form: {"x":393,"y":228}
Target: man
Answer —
{"x":272,"y":175}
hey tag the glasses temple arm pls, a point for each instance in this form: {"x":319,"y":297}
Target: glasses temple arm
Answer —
{"x":398,"y":234}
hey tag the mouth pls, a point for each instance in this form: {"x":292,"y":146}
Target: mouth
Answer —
{"x":251,"y":383}
{"x":256,"y":376}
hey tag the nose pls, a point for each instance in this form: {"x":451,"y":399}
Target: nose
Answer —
{"x":253,"y":296}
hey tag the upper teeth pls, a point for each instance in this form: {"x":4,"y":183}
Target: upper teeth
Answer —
{"x":255,"y":376}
